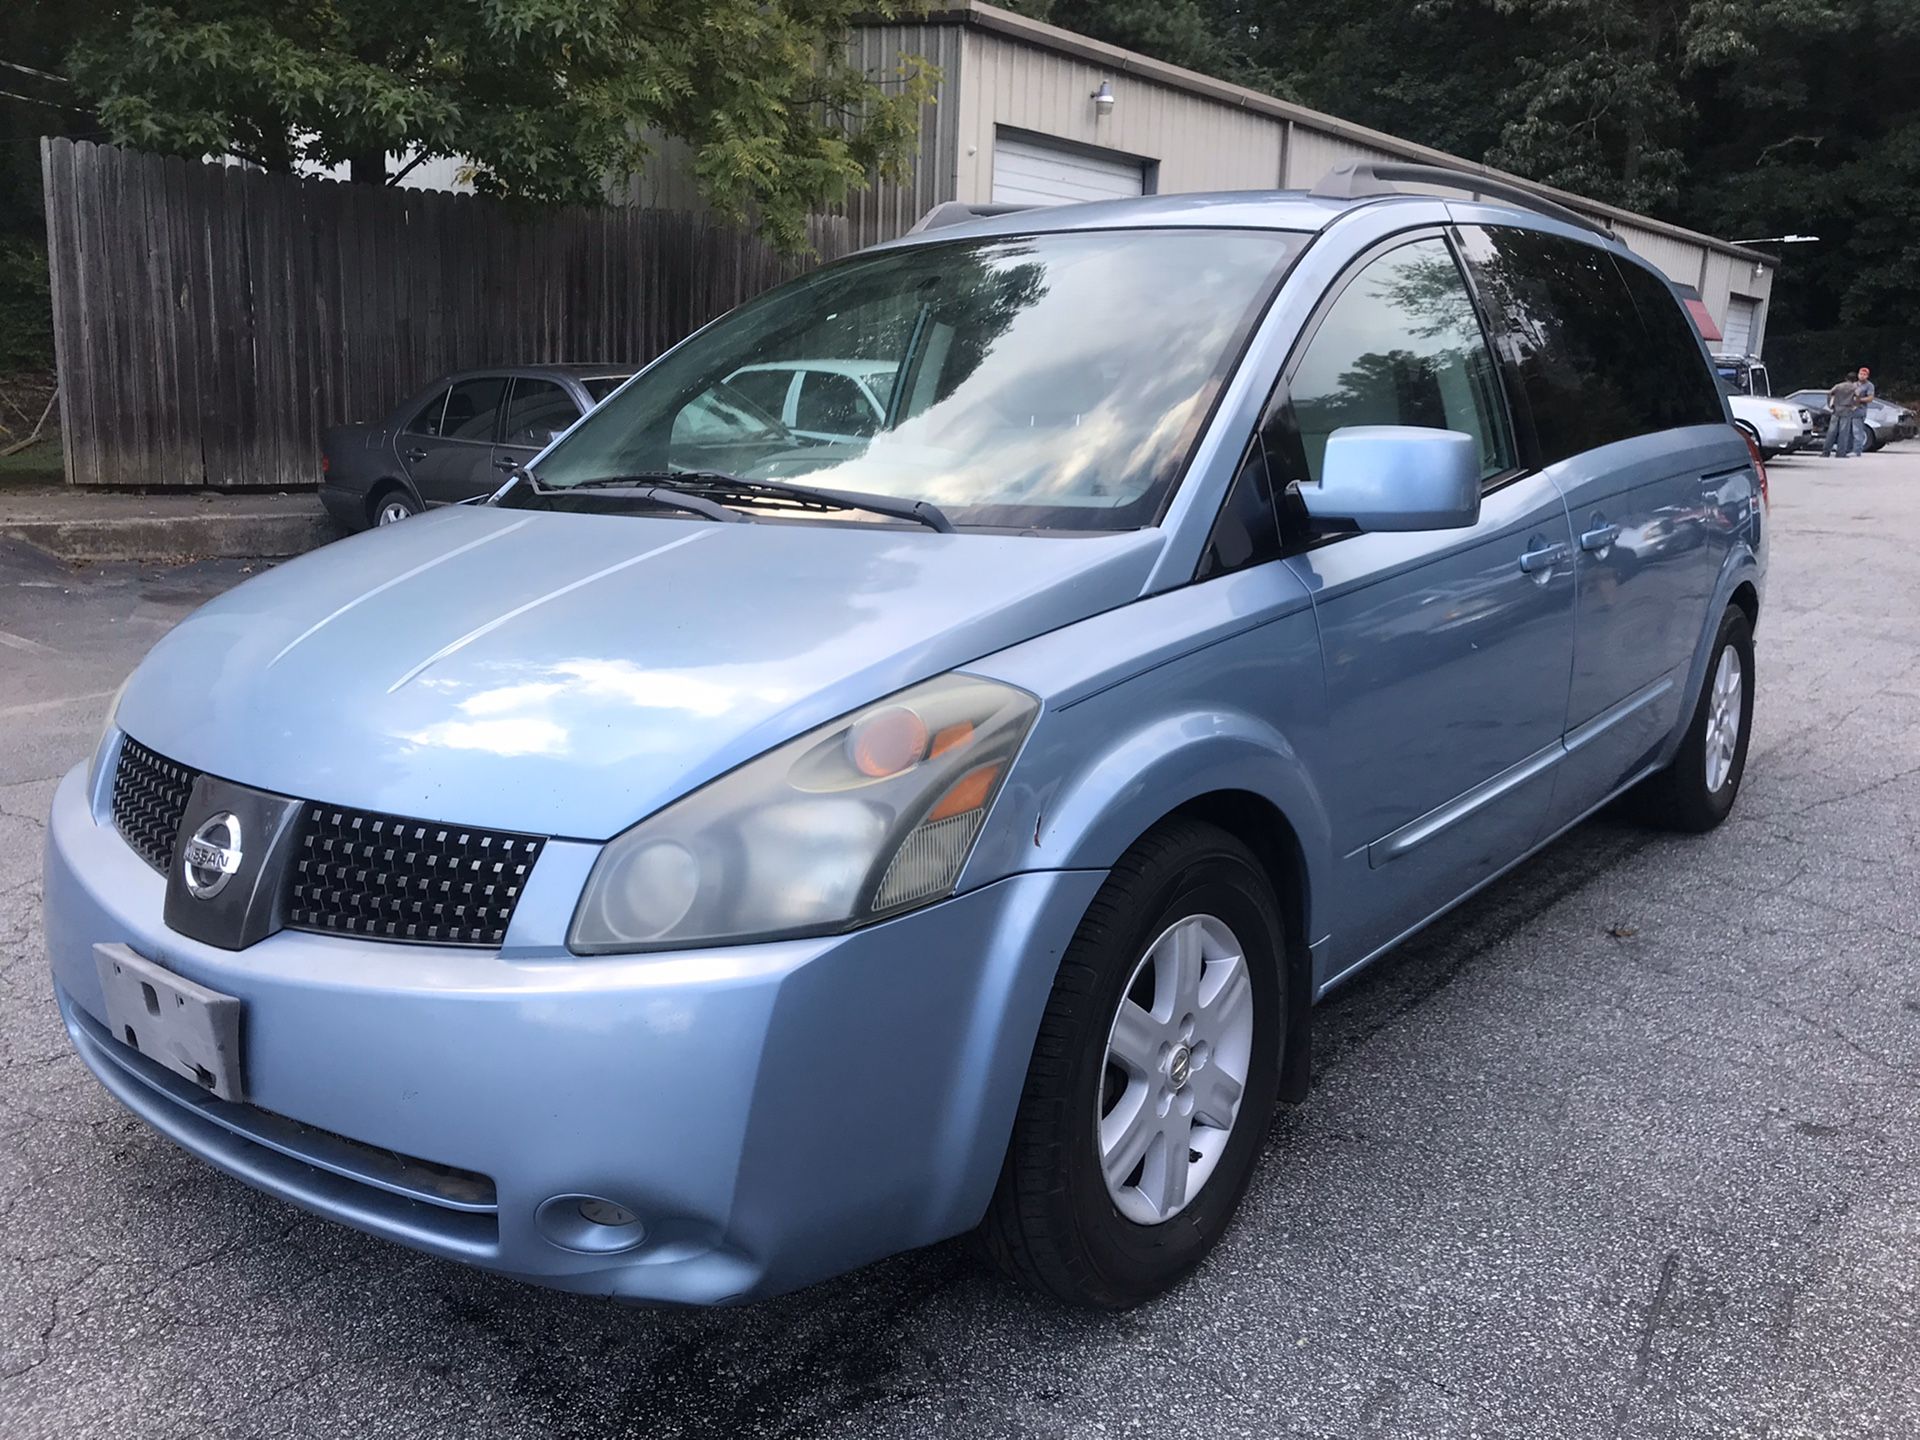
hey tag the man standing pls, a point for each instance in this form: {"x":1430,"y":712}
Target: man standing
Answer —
{"x":1840,"y":405}
{"x":1863,"y":393}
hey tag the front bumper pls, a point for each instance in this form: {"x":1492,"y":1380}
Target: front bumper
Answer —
{"x":774,"y":1113}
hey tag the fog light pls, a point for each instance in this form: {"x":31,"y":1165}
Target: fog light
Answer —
{"x":589,"y":1224}
{"x":605,"y":1212}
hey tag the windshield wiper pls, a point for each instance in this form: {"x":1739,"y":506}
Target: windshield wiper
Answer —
{"x":642,"y":489}
{"x":720,"y":483}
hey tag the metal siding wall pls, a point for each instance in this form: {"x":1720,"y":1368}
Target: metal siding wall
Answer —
{"x":886,"y":208}
{"x":889,"y":208}
{"x":1313,"y":153}
{"x":1677,"y":259}
{"x":1197,"y":143}
{"x":667,"y":182}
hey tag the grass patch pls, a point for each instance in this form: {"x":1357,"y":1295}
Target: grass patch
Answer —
{"x":38,"y":464}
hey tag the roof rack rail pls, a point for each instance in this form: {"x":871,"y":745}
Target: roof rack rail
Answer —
{"x":1358,"y":179}
{"x":958,"y":212}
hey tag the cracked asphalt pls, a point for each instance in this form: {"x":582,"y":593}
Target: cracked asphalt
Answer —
{"x":1628,"y":1146}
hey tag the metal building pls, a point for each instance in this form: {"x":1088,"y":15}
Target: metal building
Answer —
{"x":1032,"y":113}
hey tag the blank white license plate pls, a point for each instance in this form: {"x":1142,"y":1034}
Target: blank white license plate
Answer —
{"x":193,"y":1031}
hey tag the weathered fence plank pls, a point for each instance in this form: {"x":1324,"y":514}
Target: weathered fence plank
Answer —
{"x":210,"y":321}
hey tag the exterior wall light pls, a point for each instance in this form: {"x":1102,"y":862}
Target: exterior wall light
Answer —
{"x":1103,"y":99}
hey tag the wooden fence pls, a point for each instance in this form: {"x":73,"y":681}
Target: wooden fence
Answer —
{"x":210,"y":320}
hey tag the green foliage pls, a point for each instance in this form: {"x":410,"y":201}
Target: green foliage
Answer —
{"x":1738,"y":117}
{"x":549,"y":100}
{"x":1203,"y":35}
{"x":26,"y":310}
{"x":1819,"y":357}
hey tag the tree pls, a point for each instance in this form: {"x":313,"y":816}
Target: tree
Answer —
{"x":550,"y":100}
{"x":1204,"y":35}
{"x":1736,"y":117}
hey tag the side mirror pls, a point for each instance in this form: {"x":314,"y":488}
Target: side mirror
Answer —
{"x":1397,"y":477}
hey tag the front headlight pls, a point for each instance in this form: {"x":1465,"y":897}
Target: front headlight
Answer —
{"x":100,"y":742}
{"x":870,"y":814}
{"x":1780,"y":412}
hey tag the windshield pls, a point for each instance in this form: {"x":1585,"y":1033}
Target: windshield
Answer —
{"x":1046,"y":381}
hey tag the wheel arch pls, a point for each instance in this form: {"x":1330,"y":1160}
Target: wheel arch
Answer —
{"x":391,"y":482}
{"x":1739,"y":585}
{"x":1232,"y":770}
{"x":1263,"y":827}
{"x":1746,"y":595}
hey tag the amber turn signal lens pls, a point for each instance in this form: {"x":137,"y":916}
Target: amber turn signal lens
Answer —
{"x":952,"y":736}
{"x":969,"y":792}
{"x":887,"y":742}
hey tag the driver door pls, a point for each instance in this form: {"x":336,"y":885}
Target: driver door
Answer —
{"x":1446,"y":652}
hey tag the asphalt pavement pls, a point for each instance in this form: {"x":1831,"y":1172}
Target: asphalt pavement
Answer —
{"x":1628,"y":1146}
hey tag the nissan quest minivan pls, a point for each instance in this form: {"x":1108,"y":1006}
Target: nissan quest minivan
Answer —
{"x":738,"y":851}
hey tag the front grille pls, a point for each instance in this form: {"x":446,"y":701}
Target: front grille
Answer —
{"x":149,"y":797}
{"x":351,"y":872}
{"x":389,"y":878}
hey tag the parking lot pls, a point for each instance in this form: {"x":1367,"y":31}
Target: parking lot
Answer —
{"x":1628,"y":1146}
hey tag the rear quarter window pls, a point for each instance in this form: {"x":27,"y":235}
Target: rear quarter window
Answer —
{"x":1567,"y":328}
{"x":1676,"y":382}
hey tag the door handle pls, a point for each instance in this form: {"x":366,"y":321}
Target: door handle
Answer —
{"x":1545,"y":558}
{"x":413,"y":457}
{"x":506,"y":464}
{"x":1601,"y":537}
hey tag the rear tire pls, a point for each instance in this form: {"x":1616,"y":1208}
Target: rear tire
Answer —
{"x":1697,"y":790}
{"x":1132,"y":1059}
{"x":390,"y":506}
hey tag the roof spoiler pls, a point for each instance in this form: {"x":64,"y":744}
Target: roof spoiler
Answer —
{"x":958,"y":212}
{"x":1360,"y":179}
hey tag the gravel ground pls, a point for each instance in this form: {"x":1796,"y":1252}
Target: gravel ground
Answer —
{"x":1625,"y":1147}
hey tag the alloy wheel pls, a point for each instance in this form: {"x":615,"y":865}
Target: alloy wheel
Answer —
{"x":1176,"y":1068}
{"x":393,"y":512}
{"x":1723,"y":719}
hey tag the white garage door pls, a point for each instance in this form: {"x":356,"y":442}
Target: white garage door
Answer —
{"x":1739,"y":326}
{"x":1029,"y":172}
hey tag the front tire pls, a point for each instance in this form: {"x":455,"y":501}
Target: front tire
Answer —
{"x":1697,"y":790}
{"x":1153,"y":1078}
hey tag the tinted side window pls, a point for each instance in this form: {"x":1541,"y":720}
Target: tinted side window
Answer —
{"x":538,"y":408}
{"x":1400,"y":346}
{"x":601,"y":386}
{"x":765,"y":388}
{"x":427,"y":420}
{"x":833,"y":405}
{"x":472,"y":406}
{"x":1567,"y":326}
{"x":1677,"y":385}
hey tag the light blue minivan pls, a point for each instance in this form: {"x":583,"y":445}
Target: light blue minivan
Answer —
{"x":750,"y":844}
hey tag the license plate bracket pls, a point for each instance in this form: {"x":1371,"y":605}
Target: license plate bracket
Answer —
{"x":191,"y":1030}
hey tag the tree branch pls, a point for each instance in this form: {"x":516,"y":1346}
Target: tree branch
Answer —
{"x":406,"y":169}
{"x":20,"y":445}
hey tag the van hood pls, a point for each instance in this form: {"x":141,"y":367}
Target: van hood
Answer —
{"x":568,"y":674}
